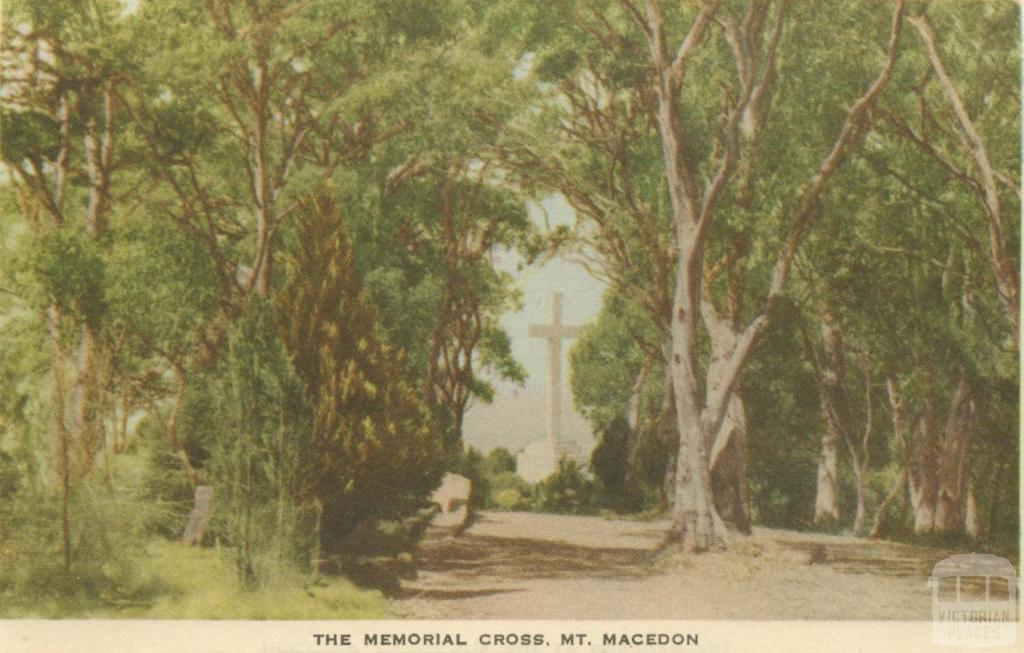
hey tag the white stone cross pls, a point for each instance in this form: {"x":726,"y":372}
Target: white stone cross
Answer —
{"x":554,"y":333}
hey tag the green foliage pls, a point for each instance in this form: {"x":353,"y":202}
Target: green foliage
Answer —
{"x":256,"y":458}
{"x":70,"y":270}
{"x":178,"y":582}
{"x":493,"y":478}
{"x":371,"y":454}
{"x":423,"y":247}
{"x":509,"y":499}
{"x":498,"y":461}
{"x":324,"y":407}
{"x":508,"y":491}
{"x":162,"y":483}
{"x":494,"y":483}
{"x":995,"y":474}
{"x":244,"y":425}
{"x":105,"y":562}
{"x":609,"y":463}
{"x":783,"y":425}
{"x":28,"y":135}
{"x":568,"y":491}
{"x":9,"y":476}
{"x":161,"y":288}
{"x":606,"y":362}
{"x":604,"y":359}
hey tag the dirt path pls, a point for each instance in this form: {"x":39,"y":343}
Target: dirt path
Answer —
{"x":532,"y":566}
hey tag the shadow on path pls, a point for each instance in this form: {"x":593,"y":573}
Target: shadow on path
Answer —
{"x":868,"y":556}
{"x":482,"y":556}
{"x":450,"y":595}
{"x":470,"y":566}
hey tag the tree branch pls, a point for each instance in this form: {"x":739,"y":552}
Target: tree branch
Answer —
{"x":856,"y":123}
{"x":1006,"y":277}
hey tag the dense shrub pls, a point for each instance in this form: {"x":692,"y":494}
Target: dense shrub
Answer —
{"x":567,"y":491}
{"x":508,"y":491}
{"x":498,"y":461}
{"x":256,"y":458}
{"x":105,"y":530}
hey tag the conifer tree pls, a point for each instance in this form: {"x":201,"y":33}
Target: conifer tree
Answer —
{"x":371,"y":454}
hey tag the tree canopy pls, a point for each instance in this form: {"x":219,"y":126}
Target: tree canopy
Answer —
{"x":251,"y":246}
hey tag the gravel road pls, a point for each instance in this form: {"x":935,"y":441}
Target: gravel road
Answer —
{"x":534,"y":566}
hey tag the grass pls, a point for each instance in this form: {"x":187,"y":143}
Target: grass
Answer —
{"x":180,"y":582}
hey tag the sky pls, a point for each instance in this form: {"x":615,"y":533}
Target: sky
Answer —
{"x":518,"y":415}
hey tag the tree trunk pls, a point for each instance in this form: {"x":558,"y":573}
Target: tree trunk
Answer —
{"x":729,"y":460}
{"x":261,"y":184}
{"x":972,"y":518}
{"x":693,"y":515}
{"x":171,"y":431}
{"x":97,"y":147}
{"x":695,"y":521}
{"x":826,"y":502}
{"x":669,"y":434}
{"x":921,"y":472}
{"x":263,"y":253}
{"x":1001,"y":260}
{"x":954,"y":496}
{"x":831,"y":377}
{"x":61,"y":431}
{"x":121,"y":430}
{"x":729,"y":473}
{"x":876,"y":525}
{"x":87,"y":436}
{"x":997,"y":497}
{"x":634,"y":436}
{"x":939,"y":474}
{"x":861,"y":514}
{"x":701,"y":416}
{"x":830,"y":370}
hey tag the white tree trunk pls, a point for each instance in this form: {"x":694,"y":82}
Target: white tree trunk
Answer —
{"x":826,"y":502}
{"x":696,"y":523}
{"x":729,"y":450}
{"x":939,"y":474}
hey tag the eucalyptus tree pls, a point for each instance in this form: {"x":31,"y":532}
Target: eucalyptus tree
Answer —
{"x":947,"y":154}
{"x":262,"y":103}
{"x":63,"y":65}
{"x":430,"y":214}
{"x":905,"y":278}
{"x":965,"y":109}
{"x":731,"y":93}
{"x":243,"y":117}
{"x":454,"y":220}
{"x":702,"y":408}
{"x":606,"y":353}
{"x":899,"y":294}
{"x":899,"y":306}
{"x":841,"y":290}
{"x":593,"y":142}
